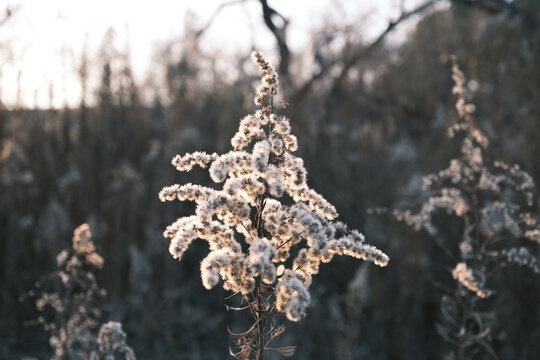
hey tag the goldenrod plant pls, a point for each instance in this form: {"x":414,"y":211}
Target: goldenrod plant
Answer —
{"x":491,"y":202}
{"x":267,"y":230}
{"x":73,"y":299}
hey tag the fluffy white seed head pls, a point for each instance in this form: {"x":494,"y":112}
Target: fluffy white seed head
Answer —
{"x":84,"y":247}
{"x":188,"y":161}
{"x":465,"y":276}
{"x":292,"y":296}
{"x":250,"y":230}
{"x":259,"y":261}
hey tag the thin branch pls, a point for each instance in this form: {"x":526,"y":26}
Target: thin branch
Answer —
{"x":493,"y":6}
{"x":361,"y":50}
{"x":8,"y":14}
{"x":280,"y":35}
{"x":232,"y":295}
{"x":244,"y":226}
{"x":222,"y":6}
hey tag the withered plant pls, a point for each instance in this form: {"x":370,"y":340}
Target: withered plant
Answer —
{"x":68,"y":301}
{"x":267,"y":230}
{"x":72,"y":294}
{"x":491,"y":203}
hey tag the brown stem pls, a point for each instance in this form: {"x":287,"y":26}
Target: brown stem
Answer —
{"x":462,"y":338}
{"x":259,"y":302}
{"x":259,"y":316}
{"x":477,"y":240}
{"x":260,"y":329}
{"x":279,"y":33}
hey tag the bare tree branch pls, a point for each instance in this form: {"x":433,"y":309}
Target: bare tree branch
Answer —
{"x":350,"y":61}
{"x":359,"y":53}
{"x":280,"y":35}
{"x":222,"y":6}
{"x":353,"y":57}
{"x":269,"y":15}
{"x":8,"y":13}
{"x":492,"y":6}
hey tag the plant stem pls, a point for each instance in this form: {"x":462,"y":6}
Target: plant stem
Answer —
{"x":465,"y":307}
{"x":258,"y":318}
{"x":258,"y":300}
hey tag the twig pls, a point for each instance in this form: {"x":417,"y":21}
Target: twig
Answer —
{"x":361,"y":51}
{"x":280,"y":35}
{"x":222,"y":6}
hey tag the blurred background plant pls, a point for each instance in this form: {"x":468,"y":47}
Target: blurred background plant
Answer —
{"x":488,"y":205}
{"x":112,"y":343}
{"x":372,"y":111}
{"x":68,"y":300}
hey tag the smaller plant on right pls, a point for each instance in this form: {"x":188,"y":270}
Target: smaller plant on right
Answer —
{"x":491,"y":202}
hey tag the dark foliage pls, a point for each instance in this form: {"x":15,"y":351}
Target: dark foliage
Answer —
{"x":366,"y":137}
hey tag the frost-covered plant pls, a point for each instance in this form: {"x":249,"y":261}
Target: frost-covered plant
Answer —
{"x":267,"y":230}
{"x":490,"y":201}
{"x":71,"y":302}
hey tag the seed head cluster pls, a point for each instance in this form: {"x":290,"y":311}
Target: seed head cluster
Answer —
{"x":491,"y":202}
{"x":74,"y":303}
{"x":112,"y":343}
{"x":464,"y":275}
{"x":265,"y":217}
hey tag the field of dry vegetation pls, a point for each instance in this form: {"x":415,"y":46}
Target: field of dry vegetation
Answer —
{"x":429,"y":148}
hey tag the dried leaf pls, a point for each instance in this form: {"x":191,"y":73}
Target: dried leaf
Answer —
{"x":479,"y":336}
{"x":286,"y":351}
{"x":444,"y":333}
{"x":242,"y":335}
{"x":236,"y":308}
{"x":280,"y":330}
{"x":488,"y":347}
{"x":242,"y":354}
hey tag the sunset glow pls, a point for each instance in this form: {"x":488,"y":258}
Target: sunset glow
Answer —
{"x":44,"y":42}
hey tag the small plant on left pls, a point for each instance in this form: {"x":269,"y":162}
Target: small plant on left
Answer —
{"x":68,"y":301}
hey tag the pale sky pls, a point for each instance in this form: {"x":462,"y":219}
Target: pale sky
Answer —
{"x":44,"y":40}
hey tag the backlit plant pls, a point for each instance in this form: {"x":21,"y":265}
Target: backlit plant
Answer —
{"x":267,"y":230}
{"x":491,"y":203}
{"x":72,"y":294}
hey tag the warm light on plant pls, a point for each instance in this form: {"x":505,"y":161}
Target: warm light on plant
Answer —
{"x":75,"y":320}
{"x":497,"y":231}
{"x":267,"y":230}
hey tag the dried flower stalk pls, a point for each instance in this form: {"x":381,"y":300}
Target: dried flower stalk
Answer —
{"x":490,"y":201}
{"x":286,"y":243}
